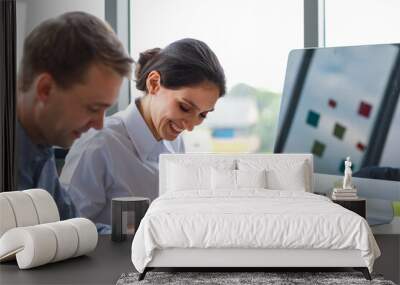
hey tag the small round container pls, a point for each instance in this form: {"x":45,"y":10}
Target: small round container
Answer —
{"x":126,"y":214}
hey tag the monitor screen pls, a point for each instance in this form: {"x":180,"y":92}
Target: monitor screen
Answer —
{"x":344,"y":101}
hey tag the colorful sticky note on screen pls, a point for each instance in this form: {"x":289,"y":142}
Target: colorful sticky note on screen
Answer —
{"x":360,"y":146}
{"x":339,"y":131}
{"x":396,"y":208}
{"x":318,"y":148}
{"x":313,"y":118}
{"x":364,"y":109}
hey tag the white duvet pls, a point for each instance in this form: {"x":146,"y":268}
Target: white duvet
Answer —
{"x":250,"y":219}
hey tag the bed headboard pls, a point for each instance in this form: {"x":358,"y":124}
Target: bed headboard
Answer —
{"x":213,"y":158}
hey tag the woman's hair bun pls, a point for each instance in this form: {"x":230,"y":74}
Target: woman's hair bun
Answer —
{"x":144,"y":58}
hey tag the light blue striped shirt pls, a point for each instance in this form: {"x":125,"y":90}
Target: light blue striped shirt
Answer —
{"x":118,"y":161}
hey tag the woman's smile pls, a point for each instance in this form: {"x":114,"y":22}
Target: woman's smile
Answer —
{"x":176,"y":128}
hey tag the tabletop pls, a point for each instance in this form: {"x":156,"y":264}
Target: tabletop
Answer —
{"x":104,"y":265}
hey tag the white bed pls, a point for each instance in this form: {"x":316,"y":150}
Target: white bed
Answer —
{"x":215,"y":211}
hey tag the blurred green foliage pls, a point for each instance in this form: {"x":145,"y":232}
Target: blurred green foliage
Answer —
{"x":268,"y":106}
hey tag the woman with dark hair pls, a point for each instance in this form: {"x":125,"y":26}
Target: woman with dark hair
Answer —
{"x":181,"y":84}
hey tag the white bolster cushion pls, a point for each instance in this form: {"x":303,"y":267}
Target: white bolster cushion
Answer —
{"x":87,"y":235}
{"x":7,"y":218}
{"x":33,"y":246}
{"x":45,"y":205}
{"x":40,"y":244}
{"x":23,"y":208}
{"x":67,"y":240}
{"x":26,"y":208}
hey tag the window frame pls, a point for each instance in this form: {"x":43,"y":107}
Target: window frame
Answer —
{"x":118,"y":16}
{"x":314,"y":23}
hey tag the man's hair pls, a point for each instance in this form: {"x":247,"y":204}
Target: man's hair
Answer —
{"x":66,"y":46}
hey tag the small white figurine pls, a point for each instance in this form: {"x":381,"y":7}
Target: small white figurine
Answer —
{"x":347,"y":174}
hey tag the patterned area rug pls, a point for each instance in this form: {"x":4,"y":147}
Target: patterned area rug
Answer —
{"x":229,"y":278}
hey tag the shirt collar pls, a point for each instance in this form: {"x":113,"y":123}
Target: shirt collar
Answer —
{"x":138,"y":131}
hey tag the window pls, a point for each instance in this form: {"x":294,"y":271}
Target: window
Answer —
{"x":360,"y":22}
{"x":252,"y":39}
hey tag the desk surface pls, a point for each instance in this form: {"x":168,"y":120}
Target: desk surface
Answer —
{"x":102,"y":266}
{"x":388,"y":229}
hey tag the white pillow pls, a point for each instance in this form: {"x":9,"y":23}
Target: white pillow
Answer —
{"x":226,"y":179}
{"x":287,"y":179}
{"x":282,"y":174}
{"x":251,"y":178}
{"x":223,"y":179}
{"x":183,"y":178}
{"x":185,"y":175}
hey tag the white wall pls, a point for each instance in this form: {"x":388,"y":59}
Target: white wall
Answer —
{"x":32,"y":12}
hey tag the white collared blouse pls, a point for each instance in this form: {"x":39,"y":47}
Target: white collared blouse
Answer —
{"x":118,"y":161}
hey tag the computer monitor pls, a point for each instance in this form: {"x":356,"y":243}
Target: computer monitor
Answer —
{"x":344,"y":101}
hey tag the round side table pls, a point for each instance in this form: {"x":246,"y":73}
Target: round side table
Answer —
{"x":126,"y":214}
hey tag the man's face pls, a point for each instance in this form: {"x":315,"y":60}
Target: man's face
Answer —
{"x":62,"y":115}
